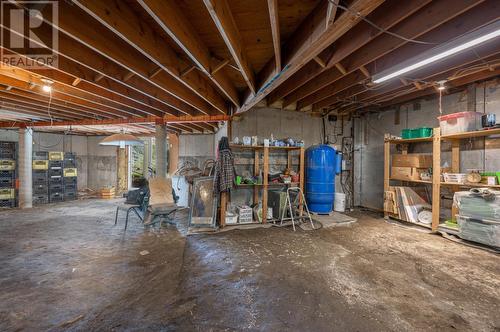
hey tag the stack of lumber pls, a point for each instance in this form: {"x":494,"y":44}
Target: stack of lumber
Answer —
{"x":404,"y":203}
{"x":107,"y":192}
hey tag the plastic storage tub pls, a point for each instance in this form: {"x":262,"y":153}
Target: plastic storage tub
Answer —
{"x":460,"y":122}
{"x":479,"y":230}
{"x":421,"y":132}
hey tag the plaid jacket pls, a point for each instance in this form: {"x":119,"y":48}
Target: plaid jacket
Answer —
{"x":224,"y":172}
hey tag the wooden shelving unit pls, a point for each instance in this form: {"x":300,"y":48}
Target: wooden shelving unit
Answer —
{"x":265,"y":150}
{"x":436,"y":164}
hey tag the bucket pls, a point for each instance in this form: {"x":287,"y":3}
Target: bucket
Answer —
{"x":339,"y":203}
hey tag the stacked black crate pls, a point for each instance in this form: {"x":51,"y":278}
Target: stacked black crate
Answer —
{"x":40,"y":177}
{"x":8,"y":158}
{"x":70,"y":176}
{"x":56,"y":188}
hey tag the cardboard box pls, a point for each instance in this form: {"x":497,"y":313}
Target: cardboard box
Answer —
{"x":406,"y":173}
{"x":412,"y":160}
{"x":390,"y":204}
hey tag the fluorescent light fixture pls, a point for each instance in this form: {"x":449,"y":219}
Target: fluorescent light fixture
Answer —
{"x":460,"y":44}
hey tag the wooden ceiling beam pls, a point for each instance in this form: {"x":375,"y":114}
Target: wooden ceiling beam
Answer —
{"x":124,"y":22}
{"x":390,"y":13}
{"x":69,"y":91}
{"x":85,"y":31}
{"x":223,"y":18}
{"x":16,"y":99}
{"x":272,"y":6}
{"x":170,"y":18}
{"x":43,"y":98}
{"x":136,"y":120}
{"x":331,"y":11}
{"x":56,"y":95}
{"x":181,"y":127}
{"x":487,"y":52}
{"x":411,"y":28}
{"x":15,"y":107}
{"x":84,"y":63}
{"x":63,"y":75}
{"x":309,"y":40}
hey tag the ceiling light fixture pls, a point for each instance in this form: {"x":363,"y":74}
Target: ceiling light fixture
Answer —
{"x":121,"y":140}
{"x":456,"y":46}
{"x":47,"y":85}
{"x":441,"y":86}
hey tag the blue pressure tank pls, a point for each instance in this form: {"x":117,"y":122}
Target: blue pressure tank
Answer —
{"x":322,"y":164}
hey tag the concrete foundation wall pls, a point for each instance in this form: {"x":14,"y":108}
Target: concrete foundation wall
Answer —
{"x":477,"y":153}
{"x":96,"y":165}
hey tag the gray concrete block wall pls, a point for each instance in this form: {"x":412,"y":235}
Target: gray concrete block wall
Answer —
{"x":96,"y":165}
{"x":370,"y":129}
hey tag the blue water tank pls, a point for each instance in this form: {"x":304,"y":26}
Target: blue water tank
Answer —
{"x":322,"y":164}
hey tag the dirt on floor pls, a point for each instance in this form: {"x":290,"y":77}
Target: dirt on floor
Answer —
{"x":67,"y":267}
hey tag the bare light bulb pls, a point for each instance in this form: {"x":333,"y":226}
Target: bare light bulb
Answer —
{"x":47,"y":88}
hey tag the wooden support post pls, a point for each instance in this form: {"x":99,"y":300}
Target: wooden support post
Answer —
{"x":436,"y":178}
{"x":256,"y":168}
{"x":265,"y":173}
{"x":387,"y":171}
{"x":223,"y":206}
{"x":301,"y":176}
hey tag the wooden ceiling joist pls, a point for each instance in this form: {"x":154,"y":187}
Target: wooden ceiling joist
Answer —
{"x":170,"y":17}
{"x":310,"y":41}
{"x":318,"y":89}
{"x":275,"y":30}
{"x":392,"y":12}
{"x":87,"y":34}
{"x":124,"y":22}
{"x":223,"y":18}
{"x":43,"y":98}
{"x":56,"y":95}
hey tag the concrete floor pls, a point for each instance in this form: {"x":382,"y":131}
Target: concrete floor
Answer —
{"x":66,"y":267}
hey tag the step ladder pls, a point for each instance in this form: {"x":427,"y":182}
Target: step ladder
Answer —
{"x":298,"y":205}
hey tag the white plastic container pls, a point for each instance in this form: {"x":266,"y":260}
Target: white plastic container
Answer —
{"x":460,"y":122}
{"x":455,"y":177}
{"x":339,"y":202}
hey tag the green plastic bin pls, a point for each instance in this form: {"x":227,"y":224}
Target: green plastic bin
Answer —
{"x":422,"y":132}
{"x":406,"y":133}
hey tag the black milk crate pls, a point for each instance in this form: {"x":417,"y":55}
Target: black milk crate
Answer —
{"x":40,"y":176}
{"x":7,"y":182}
{"x":40,"y":155}
{"x":69,"y":163}
{"x":7,"y":154}
{"x":56,"y":197}
{"x":70,"y":195}
{"x":40,"y":189}
{"x":55,"y":179}
{"x":69,"y":187}
{"x":8,"y":148}
{"x":7,"y":203}
{"x":70,"y":180}
{"x":69,"y":155}
{"x":40,"y":199}
{"x":56,"y":171}
{"x":55,"y":163}
{"x":57,"y":187}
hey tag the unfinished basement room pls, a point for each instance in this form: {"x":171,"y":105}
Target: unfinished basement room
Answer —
{"x":250,"y":165}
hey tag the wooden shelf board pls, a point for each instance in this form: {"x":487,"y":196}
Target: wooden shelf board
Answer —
{"x":480,"y":185}
{"x":410,"y":140}
{"x":415,"y":181}
{"x":269,"y":185}
{"x":260,"y":147}
{"x":478,"y":133}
